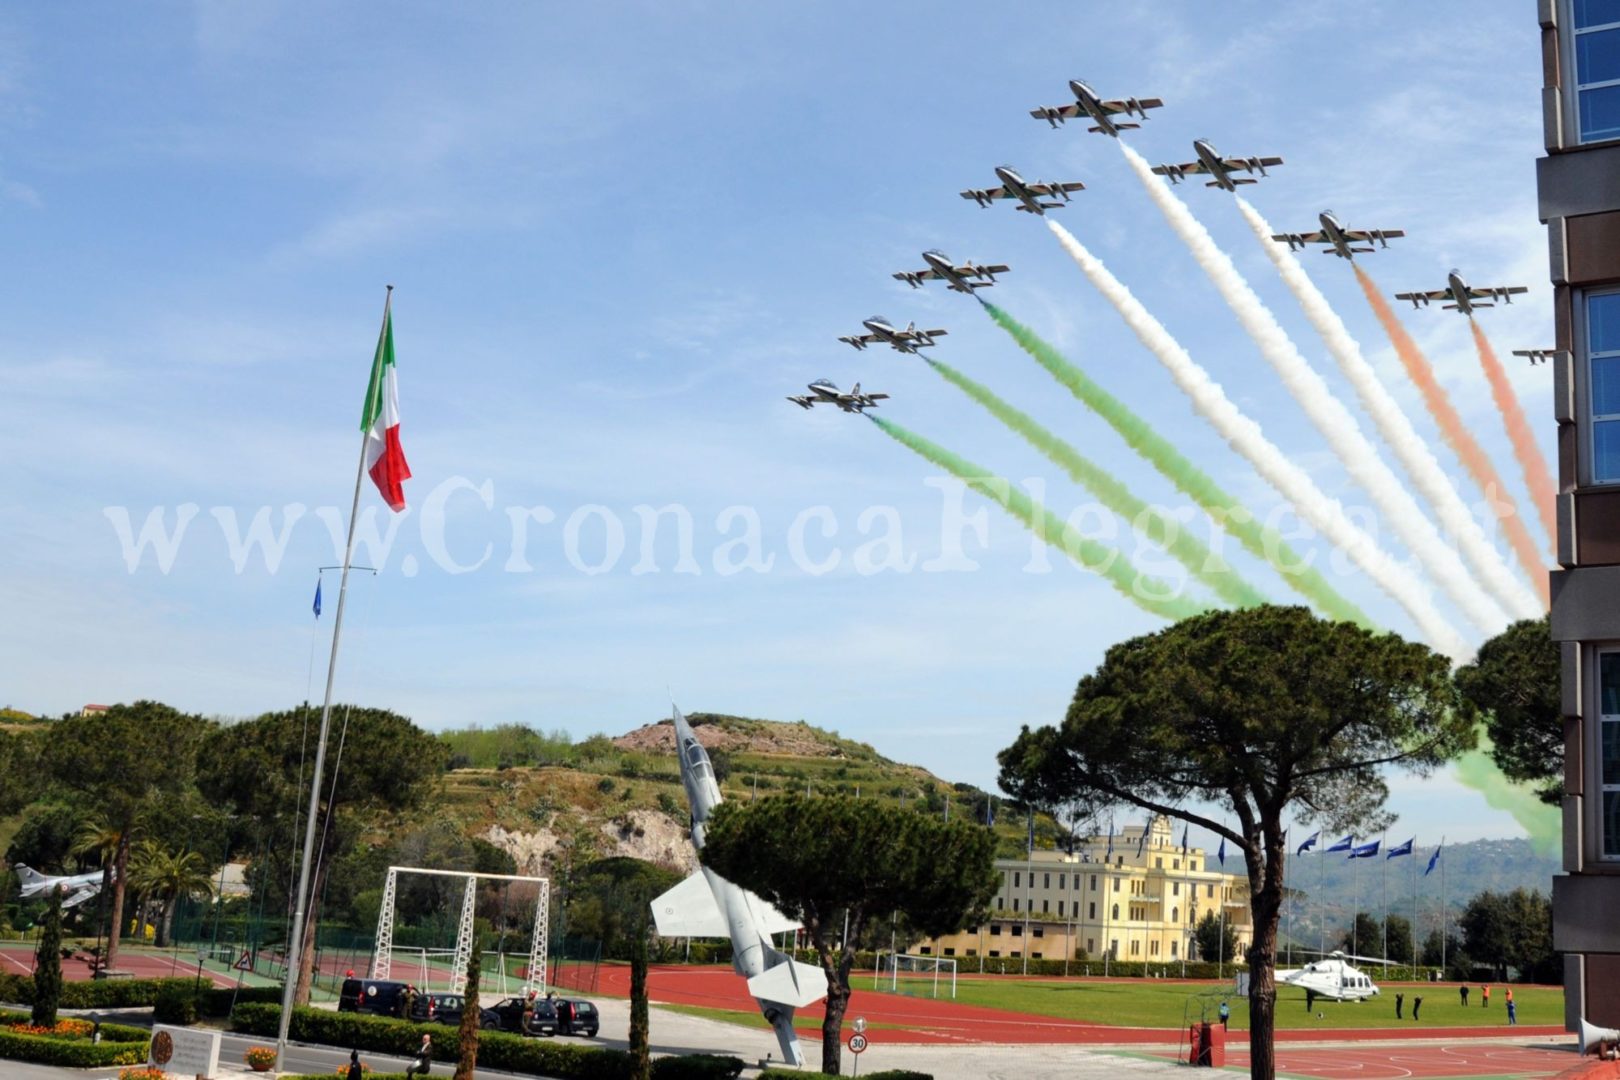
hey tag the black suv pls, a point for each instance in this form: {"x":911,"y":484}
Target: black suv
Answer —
{"x":382,"y":997}
{"x":577,"y":1017}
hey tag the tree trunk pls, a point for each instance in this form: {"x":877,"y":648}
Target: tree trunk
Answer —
{"x":641,"y":1063}
{"x":467,"y":1036}
{"x":306,"y":961}
{"x":120,"y":866}
{"x":836,"y":967}
{"x":1265,"y":903}
{"x":166,"y":928}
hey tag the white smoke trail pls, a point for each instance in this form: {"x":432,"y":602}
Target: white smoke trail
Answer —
{"x":1397,"y":430}
{"x":1326,"y":412}
{"x":1245,"y":436}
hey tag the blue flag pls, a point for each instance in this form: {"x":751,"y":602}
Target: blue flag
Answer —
{"x":1184,"y":839}
{"x":1342,"y":845}
{"x":317,"y":598}
{"x":1221,"y":854}
{"x":1142,"y":843}
{"x":1400,"y":849}
{"x":1434,"y":860}
{"x":990,"y":811}
{"x":1310,"y":842}
{"x":1109,"y":854}
{"x":1365,"y":851}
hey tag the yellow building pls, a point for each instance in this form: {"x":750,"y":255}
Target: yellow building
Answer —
{"x":1130,"y":897}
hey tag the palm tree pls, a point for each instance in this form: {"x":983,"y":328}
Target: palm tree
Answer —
{"x":167,"y":877}
{"x":98,"y":839}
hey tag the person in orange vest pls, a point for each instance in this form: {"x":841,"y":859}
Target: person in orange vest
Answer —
{"x":1484,"y":996}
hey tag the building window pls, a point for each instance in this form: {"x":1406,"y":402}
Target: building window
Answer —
{"x":1016,"y":878}
{"x":1093,"y":882}
{"x":1136,"y":948}
{"x":1153,"y":948}
{"x":1175,"y":888}
{"x":1091,"y":911}
{"x":952,"y":952}
{"x":1035,"y":955}
{"x":1609,"y":751}
{"x":1017,"y":931}
{"x":1039,"y":931}
{"x":1046,"y":907}
{"x":1091,"y":945}
{"x":1046,"y":881}
{"x":1172,"y":950}
{"x":973,"y":952}
{"x":1060,"y":909}
{"x":995,"y":930}
{"x":1603,"y":348}
{"x":1113,"y":947}
{"x":926,"y":949}
{"x":1192,"y":866}
{"x":1175,"y":864}
{"x":1209,"y":890}
{"x":1596,"y":45}
{"x":1116,"y":884}
{"x":1175,"y":914}
{"x":1061,"y":879}
{"x":1015,"y":903}
{"x":1158,"y":863}
{"x":995,"y":952}
{"x":1116,"y":911}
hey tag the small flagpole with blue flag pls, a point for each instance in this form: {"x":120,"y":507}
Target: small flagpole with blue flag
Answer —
{"x":1220,"y":897}
{"x":1394,"y":853}
{"x":1433,"y":859}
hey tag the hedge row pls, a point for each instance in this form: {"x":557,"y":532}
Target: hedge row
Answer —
{"x":400,"y":1038}
{"x":689,"y":1067}
{"x":176,"y":995}
{"x":119,"y":1046}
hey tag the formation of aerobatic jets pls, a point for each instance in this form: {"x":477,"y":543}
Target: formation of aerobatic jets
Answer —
{"x":1225,"y":173}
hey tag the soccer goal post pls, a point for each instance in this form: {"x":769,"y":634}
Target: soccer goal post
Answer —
{"x":907,"y":973}
{"x":534,"y":975}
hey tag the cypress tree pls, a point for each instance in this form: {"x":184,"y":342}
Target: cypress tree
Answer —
{"x":48,"y":965}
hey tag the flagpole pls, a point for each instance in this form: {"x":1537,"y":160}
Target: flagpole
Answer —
{"x":1384,"y":880}
{"x":295,"y":957}
{"x":1029,"y":872}
{"x":1413,"y":925}
{"x":1355,"y":903}
{"x":1442,"y":911}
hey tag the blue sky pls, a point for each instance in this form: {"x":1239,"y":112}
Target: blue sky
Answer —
{"x":619,"y":237}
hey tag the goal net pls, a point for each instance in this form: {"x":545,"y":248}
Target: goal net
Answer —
{"x":907,"y":973}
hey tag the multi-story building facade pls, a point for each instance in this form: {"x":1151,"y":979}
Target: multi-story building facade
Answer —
{"x":1578,"y":186}
{"x":1129,"y":897}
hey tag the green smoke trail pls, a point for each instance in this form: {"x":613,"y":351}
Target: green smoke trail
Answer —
{"x":1187,"y":477}
{"x":1180,"y":542}
{"x":1545,"y":825}
{"x":1153,"y":595}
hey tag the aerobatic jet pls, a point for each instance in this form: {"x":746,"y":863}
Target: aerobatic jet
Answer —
{"x":825,"y":392}
{"x":709,"y":906}
{"x":882,"y":331}
{"x":941,"y":268}
{"x":1537,"y":356}
{"x":1221,"y":168}
{"x":76,"y":889}
{"x":1464,"y":298}
{"x":1102,"y":113}
{"x":1340,"y":240}
{"x":1029,"y":195}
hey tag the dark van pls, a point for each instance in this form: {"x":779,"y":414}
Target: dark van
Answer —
{"x":380,"y":997}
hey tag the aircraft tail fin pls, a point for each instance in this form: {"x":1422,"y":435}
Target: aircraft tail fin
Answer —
{"x":789,"y":982}
{"x":29,"y":878}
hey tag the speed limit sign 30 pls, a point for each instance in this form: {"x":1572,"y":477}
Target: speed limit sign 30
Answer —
{"x":857,"y":1043}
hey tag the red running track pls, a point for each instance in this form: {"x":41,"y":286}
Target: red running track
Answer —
{"x":1414,"y":1062}
{"x":19,"y":960}
{"x":927,"y":1020}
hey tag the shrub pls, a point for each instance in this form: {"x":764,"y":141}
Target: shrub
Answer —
{"x":175,"y":1005}
{"x":697,"y":1067}
{"x":119,"y":1046}
{"x":261,"y":1057}
{"x":142,"y":1072}
{"x":801,"y":1074}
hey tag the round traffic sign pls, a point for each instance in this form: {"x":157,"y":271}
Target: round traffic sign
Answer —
{"x":857,"y":1043}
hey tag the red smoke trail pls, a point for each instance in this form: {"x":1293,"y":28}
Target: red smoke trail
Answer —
{"x":1537,"y":477}
{"x":1457,"y":436}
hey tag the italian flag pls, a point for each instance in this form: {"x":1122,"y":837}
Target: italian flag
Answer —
{"x":385,"y":459}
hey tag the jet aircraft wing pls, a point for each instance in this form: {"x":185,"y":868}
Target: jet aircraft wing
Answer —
{"x":689,"y":910}
{"x":860,"y":341}
{"x":1420,"y":298}
{"x":1295,"y":241}
{"x":984,"y":196}
{"x":1176,"y":172}
{"x":1501,"y":292}
{"x":1251,"y":163}
{"x":917,"y":277}
{"x":85,"y":893}
{"x":1056,"y":112}
{"x":1055,"y":189}
{"x":1135,"y":105}
{"x":1369,"y":235}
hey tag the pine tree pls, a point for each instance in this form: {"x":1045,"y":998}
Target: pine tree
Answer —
{"x":48,"y":964}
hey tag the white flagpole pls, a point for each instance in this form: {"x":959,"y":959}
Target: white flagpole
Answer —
{"x":295,"y":947}
{"x":1383,"y":850}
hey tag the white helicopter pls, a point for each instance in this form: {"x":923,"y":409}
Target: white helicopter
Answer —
{"x":1333,"y":977}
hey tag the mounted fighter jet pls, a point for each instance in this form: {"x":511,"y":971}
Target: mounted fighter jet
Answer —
{"x":1464,"y":298}
{"x":824,"y":392}
{"x":1087,"y":103}
{"x":76,"y":889}
{"x":1332,"y":977}
{"x":882,"y":330}
{"x":1210,"y":161}
{"x":1340,"y":240}
{"x":707,"y":905}
{"x":1537,"y":356}
{"x":941,"y":268}
{"x":1028,"y":195}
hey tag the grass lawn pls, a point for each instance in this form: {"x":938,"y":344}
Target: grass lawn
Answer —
{"x":1155,"y":1003}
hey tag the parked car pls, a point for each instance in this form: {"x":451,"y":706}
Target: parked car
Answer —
{"x":507,"y":1015}
{"x":446,"y":1008}
{"x":578,"y":1017}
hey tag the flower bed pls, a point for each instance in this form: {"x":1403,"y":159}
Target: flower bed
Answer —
{"x":68,"y":1043}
